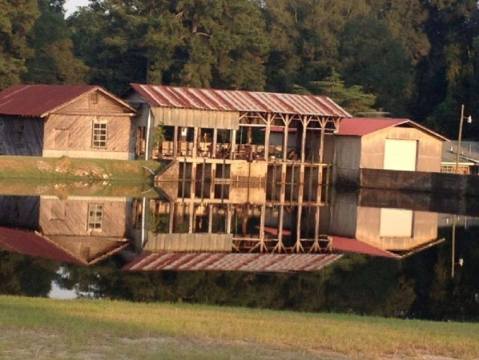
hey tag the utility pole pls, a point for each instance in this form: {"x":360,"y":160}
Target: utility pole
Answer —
{"x":459,"y":139}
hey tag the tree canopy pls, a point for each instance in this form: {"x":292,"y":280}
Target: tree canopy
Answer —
{"x":411,"y":58}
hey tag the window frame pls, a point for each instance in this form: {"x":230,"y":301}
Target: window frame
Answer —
{"x":97,"y":142}
{"x":95,"y":217}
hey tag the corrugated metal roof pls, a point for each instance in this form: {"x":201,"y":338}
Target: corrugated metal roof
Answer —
{"x":366,"y":126}
{"x":39,"y":100}
{"x":230,"y":262}
{"x":36,"y":100}
{"x":238,"y":100}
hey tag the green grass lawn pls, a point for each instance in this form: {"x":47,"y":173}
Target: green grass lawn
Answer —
{"x":24,"y":167}
{"x":50,"y":329}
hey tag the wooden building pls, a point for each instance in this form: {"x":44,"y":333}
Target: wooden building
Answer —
{"x":77,"y":230}
{"x":65,"y":120}
{"x":221,"y":136}
{"x":386,"y":144}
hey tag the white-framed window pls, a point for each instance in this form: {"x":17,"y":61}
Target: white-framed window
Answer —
{"x":95,"y":217}
{"x":100,"y":134}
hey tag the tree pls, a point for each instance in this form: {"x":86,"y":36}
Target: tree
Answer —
{"x":352,"y":98}
{"x":16,"y":20}
{"x":53,"y":60}
{"x":377,"y":62}
{"x":198,"y":43}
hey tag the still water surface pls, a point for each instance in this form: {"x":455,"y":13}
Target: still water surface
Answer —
{"x":370,"y":252}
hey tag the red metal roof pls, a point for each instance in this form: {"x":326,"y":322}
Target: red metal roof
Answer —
{"x":366,"y":126}
{"x":230,"y":262}
{"x":349,"y":245}
{"x":237,"y":100}
{"x":39,"y":100}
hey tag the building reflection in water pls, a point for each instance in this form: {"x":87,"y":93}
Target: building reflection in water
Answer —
{"x":81,"y":231}
{"x":228,"y":233}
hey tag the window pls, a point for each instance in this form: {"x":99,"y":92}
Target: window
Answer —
{"x":94,"y":98}
{"x":99,"y":135}
{"x":95,"y":216}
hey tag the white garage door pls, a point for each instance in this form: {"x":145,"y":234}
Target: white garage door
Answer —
{"x":400,"y":155}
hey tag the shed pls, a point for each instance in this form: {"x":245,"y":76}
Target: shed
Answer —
{"x":65,"y":120}
{"x":386,"y":144}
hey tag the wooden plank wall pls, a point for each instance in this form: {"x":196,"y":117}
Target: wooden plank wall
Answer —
{"x":21,"y":136}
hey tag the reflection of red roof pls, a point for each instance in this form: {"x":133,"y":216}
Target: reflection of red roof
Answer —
{"x":239,"y":101}
{"x":230,"y":262}
{"x":366,"y":126}
{"x":34,"y":244}
{"x":274,"y":231}
{"x":39,"y":100}
{"x":355,"y":246}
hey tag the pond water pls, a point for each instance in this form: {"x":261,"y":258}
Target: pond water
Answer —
{"x":366,"y":252}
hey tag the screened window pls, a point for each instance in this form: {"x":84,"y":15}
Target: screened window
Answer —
{"x":95,"y":217}
{"x":99,"y":135}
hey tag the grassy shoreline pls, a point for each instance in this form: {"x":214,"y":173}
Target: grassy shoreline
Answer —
{"x":55,"y":169}
{"x":101,"y":328}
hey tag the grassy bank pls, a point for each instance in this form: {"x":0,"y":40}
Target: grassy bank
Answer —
{"x":67,"y":188}
{"x":23,"y":167}
{"x":48,"y":329}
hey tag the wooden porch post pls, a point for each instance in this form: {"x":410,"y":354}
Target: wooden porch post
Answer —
{"x":321,"y":160}
{"x":305,"y":122}
{"x":195,"y":142}
{"x":210,"y":219}
{"x":175,"y":142}
{"x":171,"y":223}
{"x":298,"y":245}
{"x":266,"y":137}
{"x":215,"y":140}
{"x":229,"y":218}
{"x":233,"y":144}
{"x":262,"y":244}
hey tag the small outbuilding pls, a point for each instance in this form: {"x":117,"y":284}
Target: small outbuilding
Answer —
{"x":385,"y":144}
{"x":65,"y":120}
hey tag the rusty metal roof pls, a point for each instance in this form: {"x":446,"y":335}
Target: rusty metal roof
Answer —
{"x":355,"y":246}
{"x":230,"y":262}
{"x":40,"y":100}
{"x":366,"y":126}
{"x":238,"y":101}
{"x":31,"y":243}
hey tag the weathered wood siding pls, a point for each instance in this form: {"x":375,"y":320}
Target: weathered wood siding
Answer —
{"x":19,"y":211}
{"x":72,"y":135}
{"x":69,"y":131}
{"x":429,"y":151}
{"x":70,"y":217}
{"x":424,"y":230}
{"x":21,"y":136}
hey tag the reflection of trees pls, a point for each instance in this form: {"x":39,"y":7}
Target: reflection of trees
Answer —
{"x":22,"y":275}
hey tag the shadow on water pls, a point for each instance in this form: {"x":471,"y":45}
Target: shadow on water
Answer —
{"x":283,"y":246}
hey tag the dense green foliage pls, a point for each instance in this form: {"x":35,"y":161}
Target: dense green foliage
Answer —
{"x":415,"y":58}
